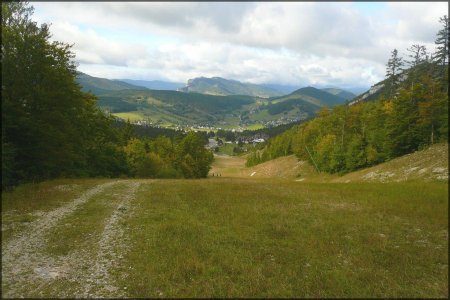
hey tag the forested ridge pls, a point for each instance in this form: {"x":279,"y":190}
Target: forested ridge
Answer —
{"x":410,"y":112}
{"x":51,"y":128}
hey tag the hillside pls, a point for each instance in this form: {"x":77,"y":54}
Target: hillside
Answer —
{"x":425,"y":165}
{"x":98,"y":86}
{"x":174,"y":109}
{"x":312,"y":96}
{"x":306,"y":100}
{"x":229,"y":109}
{"x":221,"y":86}
{"x":430,"y":164}
{"x":406,"y":79}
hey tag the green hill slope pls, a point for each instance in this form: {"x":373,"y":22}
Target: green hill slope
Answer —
{"x":430,"y":164}
{"x":406,"y":79}
{"x":221,"y":104}
{"x":305,"y":101}
{"x":310,"y":96}
{"x":98,"y":85}
{"x":171,"y":108}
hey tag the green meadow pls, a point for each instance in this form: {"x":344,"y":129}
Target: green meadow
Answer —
{"x":235,"y":237}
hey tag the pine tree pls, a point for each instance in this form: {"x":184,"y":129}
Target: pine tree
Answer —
{"x":441,"y":56}
{"x":393,"y":70}
{"x":442,"y":51}
{"x":418,"y":55}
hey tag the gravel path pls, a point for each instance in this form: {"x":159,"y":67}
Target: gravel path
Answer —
{"x":26,"y":270}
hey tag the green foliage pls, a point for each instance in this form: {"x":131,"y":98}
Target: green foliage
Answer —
{"x":348,"y":138}
{"x":163,"y":157}
{"x":46,"y":119}
{"x":51,"y":128}
{"x":253,"y":159}
{"x":172,"y":101}
{"x":227,"y":135}
{"x":442,"y":42}
{"x":394,"y":67}
{"x":195,"y":159}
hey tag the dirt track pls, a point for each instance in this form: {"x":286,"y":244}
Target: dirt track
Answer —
{"x":28,"y":271}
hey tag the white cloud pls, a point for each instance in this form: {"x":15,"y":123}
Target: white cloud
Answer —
{"x":290,"y":43}
{"x":91,"y":48}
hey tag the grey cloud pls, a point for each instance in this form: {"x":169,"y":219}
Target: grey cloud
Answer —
{"x":312,"y":43}
{"x":225,"y":17}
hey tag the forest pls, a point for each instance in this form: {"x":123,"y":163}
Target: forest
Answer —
{"x":410,"y":113}
{"x":52,"y":129}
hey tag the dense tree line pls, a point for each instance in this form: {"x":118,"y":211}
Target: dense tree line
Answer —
{"x":271,"y":131}
{"x":410,"y":113}
{"x":149,"y":131}
{"x":50,"y":128}
{"x":163,"y":157}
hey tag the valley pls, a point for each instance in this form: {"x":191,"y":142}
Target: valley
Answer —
{"x":225,"y":150}
{"x":241,"y":108}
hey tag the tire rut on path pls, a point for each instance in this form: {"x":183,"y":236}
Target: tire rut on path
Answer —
{"x":111,"y":248}
{"x":23,"y":262}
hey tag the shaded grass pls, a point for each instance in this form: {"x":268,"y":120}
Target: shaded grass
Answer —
{"x":259,"y":238}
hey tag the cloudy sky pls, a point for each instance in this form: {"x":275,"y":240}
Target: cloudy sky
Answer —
{"x":344,"y":44}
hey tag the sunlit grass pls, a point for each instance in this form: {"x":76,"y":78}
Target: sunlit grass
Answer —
{"x":234,"y":237}
{"x":131,"y":116}
{"x":259,"y":238}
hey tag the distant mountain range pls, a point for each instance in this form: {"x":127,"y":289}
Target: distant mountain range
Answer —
{"x":343,"y":94}
{"x":170,"y":108}
{"x":155,"y":84}
{"x":224,"y":87}
{"x":283,"y":89}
